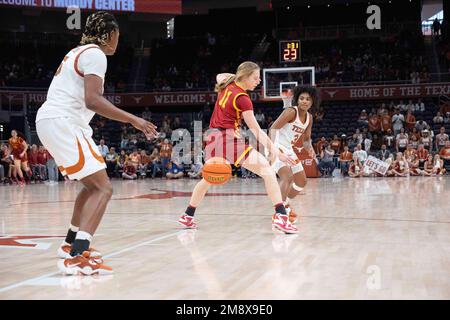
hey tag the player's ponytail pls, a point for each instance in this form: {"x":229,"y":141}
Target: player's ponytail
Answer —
{"x":99,"y":26}
{"x":244,"y":70}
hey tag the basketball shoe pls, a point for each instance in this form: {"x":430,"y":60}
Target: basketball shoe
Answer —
{"x":187,"y":221}
{"x":282,"y":223}
{"x":65,"y":248}
{"x":83,"y":264}
{"x":290,"y":212}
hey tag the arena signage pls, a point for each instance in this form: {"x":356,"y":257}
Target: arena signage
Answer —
{"x":17,"y":98}
{"x":146,"y":6}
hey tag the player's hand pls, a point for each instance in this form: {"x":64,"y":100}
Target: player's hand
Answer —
{"x":284,"y":158}
{"x":311,"y":152}
{"x":148,"y":128}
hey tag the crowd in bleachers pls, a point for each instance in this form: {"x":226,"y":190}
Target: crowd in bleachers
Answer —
{"x":396,"y":134}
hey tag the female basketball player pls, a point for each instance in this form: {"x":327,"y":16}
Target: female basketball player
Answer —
{"x":62,"y":123}
{"x":19,"y":149}
{"x":233,"y":104}
{"x":293,"y":125}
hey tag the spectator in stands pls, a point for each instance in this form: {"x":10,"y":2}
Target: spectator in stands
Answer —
{"x":134,"y":159}
{"x":355,"y":170}
{"x":410,"y":121}
{"x":196,"y":171}
{"x":320,"y":145}
{"x":367,"y":142}
{"x":121,"y":161}
{"x":124,"y":139}
{"x":176,"y":123}
{"x":428,"y":166}
{"x":165,"y":154}
{"x":386,"y":122}
{"x":384,"y":153}
{"x":422,"y":153}
{"x":377,"y":141}
{"x":175,"y":170}
{"x":6,"y":163}
{"x":143,"y":164}
{"x":42,"y":159}
{"x":326,"y":165}
{"x":414,"y":142}
{"x":103,"y":149}
{"x":260,"y":118}
{"x":421,"y":125}
{"x":415,"y":133}
{"x":363,"y":119}
{"x":374,"y":123}
{"x":413,"y":165}
{"x":438,"y":118}
{"x":359,"y":136}
{"x":400,"y":166}
{"x":37,"y":168}
{"x":401,"y":142}
{"x":438,"y":166}
{"x":441,"y":139}
{"x":389,"y":140}
{"x":129,"y":172}
{"x":419,"y":106}
{"x":445,"y":155}
{"x":359,"y":155}
{"x":397,"y":121}
{"x":400,"y":106}
{"x":447,"y":117}
{"x":410,"y":152}
{"x":336,"y":144}
{"x":426,"y":140}
{"x":111,"y":161}
{"x":132,"y":142}
{"x":155,"y":162}
{"x":353,"y":142}
{"x":345,"y":158}
{"x":52,"y":169}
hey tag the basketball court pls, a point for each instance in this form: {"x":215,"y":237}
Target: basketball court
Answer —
{"x":372,"y":238}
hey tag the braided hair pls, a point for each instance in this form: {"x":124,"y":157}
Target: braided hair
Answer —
{"x":99,"y":26}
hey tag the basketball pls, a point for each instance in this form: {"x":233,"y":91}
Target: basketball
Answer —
{"x":217,"y":172}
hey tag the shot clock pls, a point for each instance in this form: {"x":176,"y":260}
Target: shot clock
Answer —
{"x":290,"y":51}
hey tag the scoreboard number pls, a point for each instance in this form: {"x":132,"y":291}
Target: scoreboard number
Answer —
{"x":290,"y":51}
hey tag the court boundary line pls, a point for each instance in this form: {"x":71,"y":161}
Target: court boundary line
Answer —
{"x":129,"y":248}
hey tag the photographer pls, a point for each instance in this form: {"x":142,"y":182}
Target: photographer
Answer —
{"x":326,"y":165}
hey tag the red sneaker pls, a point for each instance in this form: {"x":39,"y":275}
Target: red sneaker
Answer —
{"x":282,"y":223}
{"x":83,"y":265}
{"x":187,"y":221}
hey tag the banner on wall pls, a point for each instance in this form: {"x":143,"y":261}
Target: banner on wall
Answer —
{"x":201,"y":98}
{"x":144,"y":6}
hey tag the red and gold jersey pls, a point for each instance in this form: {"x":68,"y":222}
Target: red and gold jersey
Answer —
{"x":231,"y":102}
{"x":16,"y":144}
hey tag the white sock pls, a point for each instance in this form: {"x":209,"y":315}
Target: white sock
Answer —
{"x":83,"y":235}
{"x":73,"y":228}
{"x":289,"y":200}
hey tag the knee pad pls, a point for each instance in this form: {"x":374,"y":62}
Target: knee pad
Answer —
{"x":296,"y":187}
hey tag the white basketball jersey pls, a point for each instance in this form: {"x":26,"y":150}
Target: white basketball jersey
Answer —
{"x":65,"y":97}
{"x":290,"y":133}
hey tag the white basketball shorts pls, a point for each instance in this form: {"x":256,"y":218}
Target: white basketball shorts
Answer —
{"x":71,"y":144}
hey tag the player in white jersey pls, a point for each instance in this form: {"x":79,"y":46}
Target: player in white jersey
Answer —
{"x":291,"y":127}
{"x":62,"y":123}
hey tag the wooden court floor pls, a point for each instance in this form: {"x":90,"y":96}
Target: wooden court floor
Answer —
{"x":370,"y":238}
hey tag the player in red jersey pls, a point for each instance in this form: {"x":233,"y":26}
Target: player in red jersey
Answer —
{"x":224,"y":140}
{"x":19,"y":149}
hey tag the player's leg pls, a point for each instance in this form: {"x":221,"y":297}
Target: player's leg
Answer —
{"x":199,"y":192}
{"x":18,"y":171}
{"x":259,"y":165}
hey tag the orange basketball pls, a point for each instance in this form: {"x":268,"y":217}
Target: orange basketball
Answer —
{"x":217,"y":171}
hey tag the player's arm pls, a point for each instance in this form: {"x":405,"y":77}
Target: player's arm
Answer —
{"x":25,"y":147}
{"x":262,"y":137}
{"x":287,"y":116}
{"x":222,"y":77}
{"x":93,"y":87}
